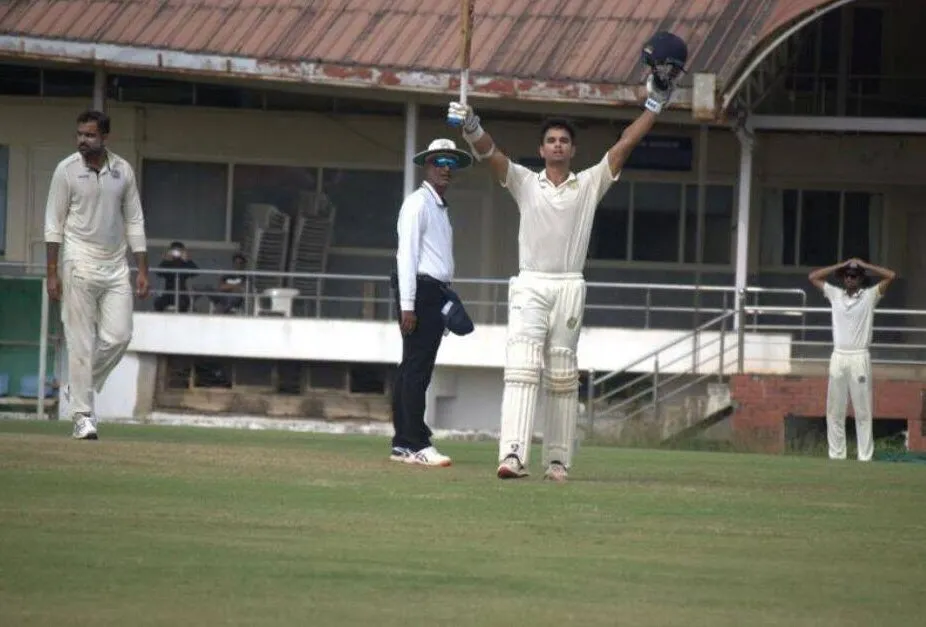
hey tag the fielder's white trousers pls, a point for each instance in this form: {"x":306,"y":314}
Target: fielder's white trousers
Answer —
{"x":544,"y":321}
{"x":850,"y":376}
{"x":96,"y":311}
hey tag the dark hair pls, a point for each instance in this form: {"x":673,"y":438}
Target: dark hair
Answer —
{"x":177,"y":244}
{"x":101,"y":119}
{"x":562,"y":123}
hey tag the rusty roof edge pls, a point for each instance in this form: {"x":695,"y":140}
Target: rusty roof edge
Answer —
{"x":329,"y":74}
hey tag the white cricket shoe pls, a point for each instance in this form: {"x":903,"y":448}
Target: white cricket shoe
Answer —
{"x":511,"y":468}
{"x":556,"y":472}
{"x":85,"y":428}
{"x":399,"y":454}
{"x":429,"y":456}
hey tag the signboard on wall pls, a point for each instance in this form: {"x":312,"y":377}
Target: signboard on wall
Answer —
{"x":660,"y":153}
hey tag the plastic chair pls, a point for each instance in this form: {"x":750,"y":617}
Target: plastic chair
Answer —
{"x":281,"y":301}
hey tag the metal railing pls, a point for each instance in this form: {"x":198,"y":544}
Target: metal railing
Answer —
{"x":370,"y":297}
{"x":664,"y":386}
{"x":646,"y":385}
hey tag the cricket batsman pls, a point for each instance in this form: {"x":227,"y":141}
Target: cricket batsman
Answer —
{"x":547,"y":297}
{"x":93,"y":211}
{"x":853,"y":311}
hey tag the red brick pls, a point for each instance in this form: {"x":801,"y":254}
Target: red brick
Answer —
{"x":763,"y":401}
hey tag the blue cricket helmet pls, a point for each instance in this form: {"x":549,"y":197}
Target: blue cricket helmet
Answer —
{"x":666,"y":54}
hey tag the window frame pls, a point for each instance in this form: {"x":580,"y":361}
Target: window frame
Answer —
{"x":801,"y":186}
{"x":230,"y":164}
{"x":730,"y":181}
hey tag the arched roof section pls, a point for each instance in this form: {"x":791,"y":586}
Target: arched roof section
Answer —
{"x":784,"y":19}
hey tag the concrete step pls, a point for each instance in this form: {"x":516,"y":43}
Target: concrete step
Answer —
{"x":686,"y":413}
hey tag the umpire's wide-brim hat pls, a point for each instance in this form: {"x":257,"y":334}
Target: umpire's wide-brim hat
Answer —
{"x":444,"y":148}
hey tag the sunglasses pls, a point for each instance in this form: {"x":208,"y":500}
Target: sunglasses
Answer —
{"x":444,"y":162}
{"x":853,"y":275}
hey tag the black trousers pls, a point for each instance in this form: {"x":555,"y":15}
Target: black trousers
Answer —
{"x":419,"y":352}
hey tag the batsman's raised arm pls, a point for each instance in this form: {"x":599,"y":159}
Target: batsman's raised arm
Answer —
{"x":656,"y":99}
{"x":483,"y":145}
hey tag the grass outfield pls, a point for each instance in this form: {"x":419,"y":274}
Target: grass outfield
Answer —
{"x":187,"y":526}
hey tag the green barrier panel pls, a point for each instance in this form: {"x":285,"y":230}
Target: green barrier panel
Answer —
{"x":20,"y":325}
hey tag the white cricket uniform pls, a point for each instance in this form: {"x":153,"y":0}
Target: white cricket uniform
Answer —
{"x":94,"y":216}
{"x":850,"y":368}
{"x":546,"y":301}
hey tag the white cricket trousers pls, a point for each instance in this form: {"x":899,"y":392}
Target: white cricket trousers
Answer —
{"x":96,"y":311}
{"x":850,"y":376}
{"x":544,"y":320}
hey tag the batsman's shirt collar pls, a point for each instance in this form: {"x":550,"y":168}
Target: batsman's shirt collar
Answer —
{"x":572,"y":180}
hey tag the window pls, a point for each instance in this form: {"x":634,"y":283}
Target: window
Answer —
{"x":185,"y":200}
{"x":657,"y":212}
{"x":811,"y":228}
{"x":716,"y":230}
{"x":823,"y":64}
{"x":286,"y":188}
{"x":612,"y":223}
{"x":367,"y":204}
{"x":643,"y":222}
{"x":4,"y":190}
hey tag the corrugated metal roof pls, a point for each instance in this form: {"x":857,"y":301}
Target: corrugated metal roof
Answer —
{"x":559,"y":42}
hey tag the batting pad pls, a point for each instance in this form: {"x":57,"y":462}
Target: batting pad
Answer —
{"x":560,"y":406}
{"x":524,"y":360}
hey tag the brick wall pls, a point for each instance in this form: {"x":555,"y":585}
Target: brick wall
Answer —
{"x":763,"y":402}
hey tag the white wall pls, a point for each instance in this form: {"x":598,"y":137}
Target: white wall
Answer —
{"x":466,"y":389}
{"x":600,"y":349}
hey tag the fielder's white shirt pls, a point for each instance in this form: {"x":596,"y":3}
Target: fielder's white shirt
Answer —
{"x":853,"y":316}
{"x":556,"y":222}
{"x":93,"y":214}
{"x":425,"y":242}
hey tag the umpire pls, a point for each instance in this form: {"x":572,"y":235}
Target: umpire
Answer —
{"x":424,"y":270}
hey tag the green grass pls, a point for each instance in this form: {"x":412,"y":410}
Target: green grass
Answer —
{"x":186,"y":526}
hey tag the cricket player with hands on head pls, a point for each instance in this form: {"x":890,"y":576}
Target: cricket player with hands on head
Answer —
{"x":853,"y":311}
{"x":92,"y":215}
{"x":547,"y":297}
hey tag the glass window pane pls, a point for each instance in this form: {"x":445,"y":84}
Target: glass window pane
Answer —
{"x":287,"y":188}
{"x":819,"y":228}
{"x":4,"y":190}
{"x":609,"y":230}
{"x":367,"y":205}
{"x":67,"y":84}
{"x":857,"y":228}
{"x":718,"y":222}
{"x":789,"y":202}
{"x":19,"y":80}
{"x":657,"y":210}
{"x":184,"y":200}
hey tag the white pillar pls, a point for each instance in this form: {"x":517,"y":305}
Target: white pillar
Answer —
{"x":411,"y":135}
{"x":747,"y":143}
{"x":99,"y":89}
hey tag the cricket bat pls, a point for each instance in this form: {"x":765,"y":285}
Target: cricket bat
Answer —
{"x":466,"y":30}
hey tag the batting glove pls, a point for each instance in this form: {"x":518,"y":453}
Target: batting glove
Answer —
{"x":657,"y":98}
{"x":472,"y":130}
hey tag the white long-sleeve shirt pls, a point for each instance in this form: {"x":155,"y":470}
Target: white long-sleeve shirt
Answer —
{"x":425,"y":242}
{"x":94,"y":215}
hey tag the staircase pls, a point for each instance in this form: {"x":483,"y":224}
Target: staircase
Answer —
{"x":682,"y":389}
